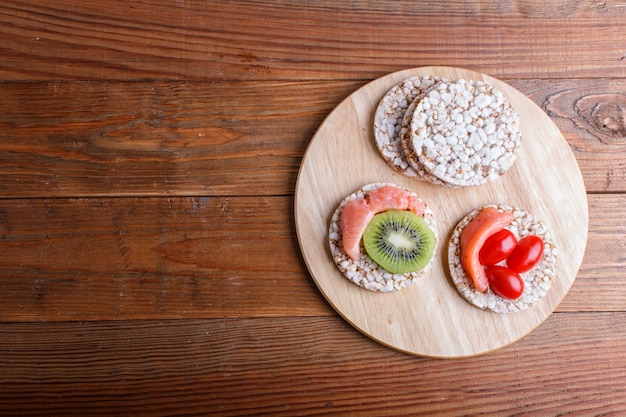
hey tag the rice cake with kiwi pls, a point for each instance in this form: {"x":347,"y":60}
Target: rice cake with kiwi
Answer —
{"x":388,"y":120}
{"x":465,"y":132}
{"x":536,"y":281}
{"x":365,"y":272}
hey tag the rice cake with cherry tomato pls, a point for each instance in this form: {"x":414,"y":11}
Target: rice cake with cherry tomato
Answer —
{"x":364,"y":272}
{"x":537,"y":281}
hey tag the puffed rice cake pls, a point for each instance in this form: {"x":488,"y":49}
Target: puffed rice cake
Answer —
{"x":537,"y":281}
{"x":365,"y":272}
{"x":465,"y":132}
{"x":450,"y":133}
{"x":407,"y":147}
{"x":388,"y":120}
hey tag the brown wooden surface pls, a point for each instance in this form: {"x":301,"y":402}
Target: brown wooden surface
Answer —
{"x":148,"y":157}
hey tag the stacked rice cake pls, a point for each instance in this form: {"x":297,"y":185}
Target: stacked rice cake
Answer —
{"x":451,"y":133}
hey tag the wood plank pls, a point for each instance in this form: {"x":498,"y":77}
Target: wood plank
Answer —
{"x":92,"y":259}
{"x":600,"y":281}
{"x":236,"y":367}
{"x":85,"y":139}
{"x":157,"y":258}
{"x":590,"y":113}
{"x":221,"y":40}
{"x":148,"y":159}
{"x":73,"y":139}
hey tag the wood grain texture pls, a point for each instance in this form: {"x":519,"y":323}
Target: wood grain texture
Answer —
{"x":302,"y":366}
{"x":264,"y":40}
{"x":86,"y":139}
{"x":167,"y":258}
{"x":94,"y":259}
{"x":79,"y":139}
{"x":592,"y":116}
{"x":148,"y":160}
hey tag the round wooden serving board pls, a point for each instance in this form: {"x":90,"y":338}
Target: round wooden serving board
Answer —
{"x":431,"y":318}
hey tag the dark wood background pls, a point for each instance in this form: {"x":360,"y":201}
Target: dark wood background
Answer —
{"x":148,"y":158}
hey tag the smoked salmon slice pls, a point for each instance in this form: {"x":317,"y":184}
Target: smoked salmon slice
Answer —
{"x":357,"y":214}
{"x":489,"y":221}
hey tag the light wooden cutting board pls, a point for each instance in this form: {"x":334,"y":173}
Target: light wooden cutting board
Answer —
{"x":431,"y":318}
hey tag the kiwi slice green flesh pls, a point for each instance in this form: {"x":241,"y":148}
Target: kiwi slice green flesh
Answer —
{"x":399,"y":241}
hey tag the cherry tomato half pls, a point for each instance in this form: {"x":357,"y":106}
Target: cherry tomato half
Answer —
{"x":505,"y":282}
{"x":526,"y":254}
{"x":497,"y":247}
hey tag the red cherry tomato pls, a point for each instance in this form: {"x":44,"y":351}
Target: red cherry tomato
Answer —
{"x":526,"y":254}
{"x":497,"y":247}
{"x":505,"y":282}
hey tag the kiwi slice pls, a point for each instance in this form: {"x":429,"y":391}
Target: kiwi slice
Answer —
{"x":399,"y":241}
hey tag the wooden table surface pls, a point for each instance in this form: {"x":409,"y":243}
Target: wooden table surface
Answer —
{"x":149,"y":151}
